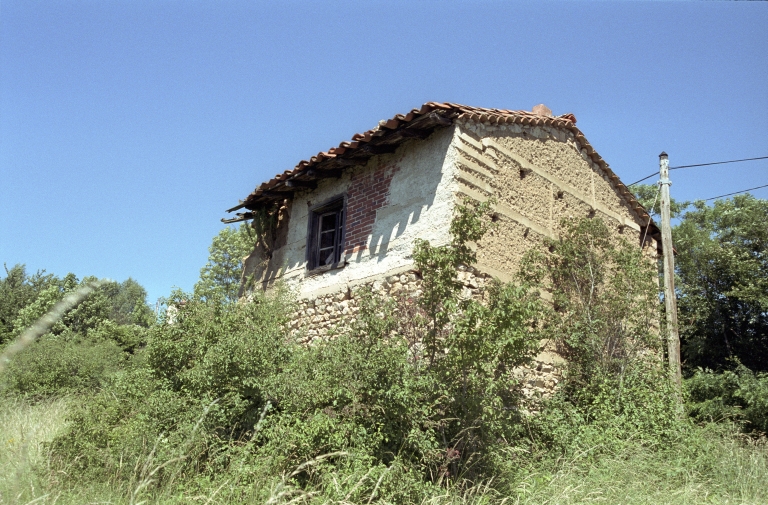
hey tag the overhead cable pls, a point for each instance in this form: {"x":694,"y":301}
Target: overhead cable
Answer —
{"x":719,"y":162}
{"x":641,"y":180}
{"x":702,"y":165}
{"x":736,"y":193}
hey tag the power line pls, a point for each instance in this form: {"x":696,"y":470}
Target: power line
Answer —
{"x":702,"y":165}
{"x":719,"y":162}
{"x":736,"y":193}
{"x":641,"y":180}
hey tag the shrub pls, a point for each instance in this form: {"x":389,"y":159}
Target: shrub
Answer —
{"x":197,"y":388}
{"x":360,"y":392}
{"x":604,"y":308}
{"x":739,"y":395}
{"x":55,"y":366}
{"x":129,"y":337}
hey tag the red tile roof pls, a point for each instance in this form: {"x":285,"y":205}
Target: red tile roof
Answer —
{"x":389,"y":134}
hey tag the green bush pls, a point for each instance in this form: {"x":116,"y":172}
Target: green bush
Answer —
{"x":361,"y":392}
{"x":739,"y":395}
{"x":55,"y":366}
{"x":195,"y":390}
{"x":604,"y":308}
{"x":129,"y":337}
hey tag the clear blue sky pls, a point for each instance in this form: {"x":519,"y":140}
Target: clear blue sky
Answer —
{"x":128,"y":127}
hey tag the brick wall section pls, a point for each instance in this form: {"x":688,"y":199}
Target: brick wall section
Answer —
{"x":367,"y":193}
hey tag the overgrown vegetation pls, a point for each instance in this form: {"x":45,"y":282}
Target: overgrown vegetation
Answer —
{"x":415,"y":402}
{"x":722,"y":283}
{"x":738,"y":395}
{"x":723,"y":278}
{"x":603,"y":319}
{"x":84,"y":348}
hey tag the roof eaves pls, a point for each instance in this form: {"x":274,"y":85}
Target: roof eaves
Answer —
{"x":433,"y":115}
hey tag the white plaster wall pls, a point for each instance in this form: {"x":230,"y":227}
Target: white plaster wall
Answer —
{"x":420,"y":205}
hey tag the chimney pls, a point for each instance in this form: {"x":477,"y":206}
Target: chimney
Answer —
{"x":542,"y":110}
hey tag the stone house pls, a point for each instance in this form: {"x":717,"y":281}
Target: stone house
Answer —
{"x":349,"y":216}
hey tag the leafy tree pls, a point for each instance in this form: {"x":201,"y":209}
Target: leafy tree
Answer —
{"x":43,"y":303}
{"x":17,"y":290}
{"x":722,"y":264}
{"x":220,"y":277}
{"x":649,"y":197}
{"x":128,"y":303}
{"x":121,"y":303}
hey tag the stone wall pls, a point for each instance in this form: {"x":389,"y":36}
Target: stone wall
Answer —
{"x":540,"y":379}
{"x":328,"y":315}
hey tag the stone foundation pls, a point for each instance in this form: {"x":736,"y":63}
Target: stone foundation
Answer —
{"x":328,"y":315}
{"x":540,"y":379}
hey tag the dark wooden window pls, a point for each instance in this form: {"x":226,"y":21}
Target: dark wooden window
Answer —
{"x":325,"y":240}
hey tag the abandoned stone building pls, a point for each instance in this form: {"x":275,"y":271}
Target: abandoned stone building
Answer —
{"x":349,"y":216}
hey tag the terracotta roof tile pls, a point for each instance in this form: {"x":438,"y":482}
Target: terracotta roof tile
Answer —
{"x":389,"y":133}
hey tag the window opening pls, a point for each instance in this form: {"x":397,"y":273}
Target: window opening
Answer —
{"x":326,"y":235}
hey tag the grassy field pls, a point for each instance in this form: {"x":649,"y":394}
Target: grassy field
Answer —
{"x":711,"y":467}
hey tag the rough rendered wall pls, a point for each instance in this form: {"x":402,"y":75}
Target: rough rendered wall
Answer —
{"x":391,"y":201}
{"x":538,"y":175}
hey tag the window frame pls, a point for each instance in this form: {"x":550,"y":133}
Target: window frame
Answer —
{"x":337,"y":205}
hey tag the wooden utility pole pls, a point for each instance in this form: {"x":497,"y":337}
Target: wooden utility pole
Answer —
{"x":670,"y":300}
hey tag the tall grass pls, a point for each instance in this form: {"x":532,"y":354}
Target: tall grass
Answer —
{"x":24,"y":430}
{"x":710,"y":465}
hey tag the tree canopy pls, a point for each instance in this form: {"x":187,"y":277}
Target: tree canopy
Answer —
{"x":220,"y":277}
{"x":648,"y":196}
{"x":17,"y":290}
{"x":24,"y":298}
{"x":722,"y":267}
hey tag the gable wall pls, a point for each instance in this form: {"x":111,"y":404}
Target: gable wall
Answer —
{"x":538,"y":176}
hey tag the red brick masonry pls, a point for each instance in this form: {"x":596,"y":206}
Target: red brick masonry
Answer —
{"x":367,"y":193}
